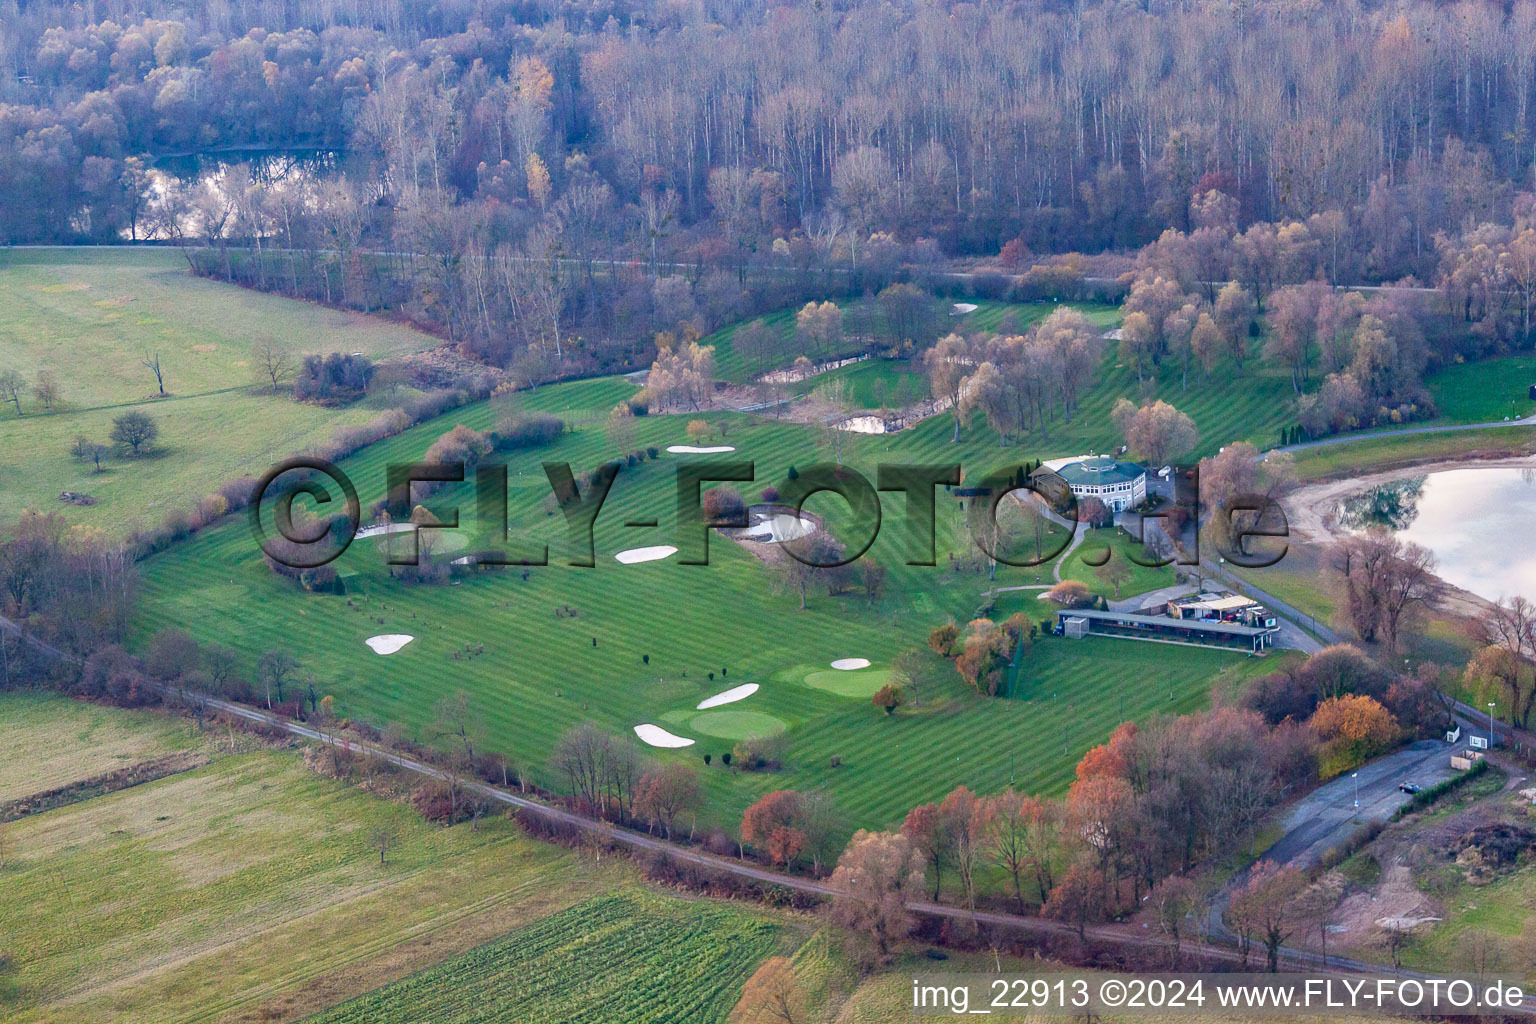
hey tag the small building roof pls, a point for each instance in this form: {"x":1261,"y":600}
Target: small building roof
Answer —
{"x":1164,"y":622}
{"x":1226,"y":603}
{"x":1099,"y":469}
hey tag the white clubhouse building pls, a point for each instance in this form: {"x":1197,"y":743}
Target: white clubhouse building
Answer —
{"x":1119,"y":485}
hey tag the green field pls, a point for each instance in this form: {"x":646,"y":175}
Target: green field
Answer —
{"x":1370,"y":453}
{"x":540,"y":673}
{"x":661,"y":629}
{"x":90,"y":316}
{"x":1121,"y":547}
{"x":626,"y":958}
{"x":1485,"y":391}
{"x":249,"y":890}
{"x":83,"y":741}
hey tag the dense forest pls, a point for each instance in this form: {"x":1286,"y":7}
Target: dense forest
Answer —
{"x":560,"y":173}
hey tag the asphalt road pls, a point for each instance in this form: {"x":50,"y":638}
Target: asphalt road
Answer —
{"x":1449,"y":428}
{"x":1328,"y":816}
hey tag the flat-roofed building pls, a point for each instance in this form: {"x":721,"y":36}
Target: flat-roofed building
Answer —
{"x":1161,"y":628}
{"x":1222,"y":608}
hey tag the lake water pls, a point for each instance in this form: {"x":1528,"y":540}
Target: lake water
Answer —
{"x":267,"y":165}
{"x":1480,"y":523}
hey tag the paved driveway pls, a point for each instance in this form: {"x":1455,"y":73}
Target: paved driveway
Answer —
{"x":1327,"y":816}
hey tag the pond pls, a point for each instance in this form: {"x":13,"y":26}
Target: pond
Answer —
{"x":267,"y":165}
{"x":1480,"y":524}
{"x":294,"y":171}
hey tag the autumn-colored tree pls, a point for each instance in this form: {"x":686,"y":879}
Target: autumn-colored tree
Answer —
{"x":887,"y":697}
{"x":819,"y":327}
{"x":942,"y":640}
{"x":1099,"y":809}
{"x":1077,"y":899}
{"x":785,"y":844}
{"x":774,"y":823}
{"x":537,"y":174}
{"x":1352,"y":728}
{"x":1138,"y":343}
{"x":1094,"y":512}
{"x":1495,"y":675}
{"x":876,"y":877}
{"x":1172,"y":900}
{"x":723,"y":505}
{"x":698,"y":431}
{"x":771,"y":996}
{"x":947,"y":364}
{"x":666,"y":793}
{"x":983,"y":659}
{"x":621,"y":428}
{"x":1155,"y":431}
{"x":1509,"y":627}
{"x":967,"y":837}
{"x":1267,"y":905}
{"x":1112,"y":759}
{"x":1070,"y":594}
{"x":931,"y":833}
{"x":1234,"y":314}
{"x":1238,"y":470}
{"x":1013,"y":253}
{"x":1206,"y":344}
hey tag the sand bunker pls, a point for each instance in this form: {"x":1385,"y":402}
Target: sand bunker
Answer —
{"x":962,"y":308}
{"x":730,"y":696}
{"x":691,"y":449}
{"x":865,"y":425}
{"x":779,"y":528}
{"x":656,"y":736}
{"x":388,"y":643}
{"x":849,"y":664}
{"x":379,"y":531}
{"x":652,"y":554}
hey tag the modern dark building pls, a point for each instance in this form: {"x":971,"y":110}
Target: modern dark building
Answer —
{"x":1133,"y":626}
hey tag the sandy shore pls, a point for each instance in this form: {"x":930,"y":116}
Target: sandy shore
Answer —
{"x":1311,"y":509}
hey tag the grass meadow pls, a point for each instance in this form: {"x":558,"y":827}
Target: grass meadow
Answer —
{"x":91,"y":316}
{"x":249,"y":890}
{"x":83,"y":741}
{"x":1084,"y":563}
{"x":1485,"y":391}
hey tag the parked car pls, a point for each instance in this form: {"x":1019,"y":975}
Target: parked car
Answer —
{"x":1410,"y":787}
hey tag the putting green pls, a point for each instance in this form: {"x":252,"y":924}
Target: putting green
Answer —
{"x":861,"y":683}
{"x":736,"y":725}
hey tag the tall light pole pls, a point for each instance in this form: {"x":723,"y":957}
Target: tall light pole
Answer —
{"x":1356,"y":777}
{"x":1490,"y":724}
